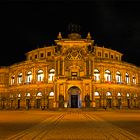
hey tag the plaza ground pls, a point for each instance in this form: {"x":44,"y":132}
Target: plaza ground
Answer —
{"x":76,"y":124}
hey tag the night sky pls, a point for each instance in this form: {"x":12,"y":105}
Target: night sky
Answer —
{"x":27,"y":25}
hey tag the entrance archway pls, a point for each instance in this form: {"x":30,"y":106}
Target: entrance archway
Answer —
{"x":74,"y":97}
{"x":18,"y":104}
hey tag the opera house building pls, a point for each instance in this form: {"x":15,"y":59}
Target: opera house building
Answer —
{"x":73,"y":73}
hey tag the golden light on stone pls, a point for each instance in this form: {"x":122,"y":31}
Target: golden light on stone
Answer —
{"x":72,"y":73}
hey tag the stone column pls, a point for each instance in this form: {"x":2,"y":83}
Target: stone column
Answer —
{"x":46,"y":74}
{"x":16,"y":78}
{"x":90,"y":85}
{"x":83,"y":96}
{"x":32,"y":102}
{"x":92,"y":68}
{"x":65,"y":96}
{"x":137,"y":79}
{"x":102,"y":74}
{"x":92,"y":96}
{"x":103,"y":98}
{"x":23,"y":76}
{"x":56,"y":92}
{"x":64,"y":91}
{"x":63,"y":67}
{"x":123,"y":77}
{"x":89,"y":67}
{"x":113,"y":75}
{"x":58,"y":67}
{"x":85,"y":70}
{"x":130,"y":78}
{"x":43,"y":100}
{"x":33,"y":75}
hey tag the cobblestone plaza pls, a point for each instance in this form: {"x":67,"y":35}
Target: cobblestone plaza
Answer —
{"x":70,"y":124}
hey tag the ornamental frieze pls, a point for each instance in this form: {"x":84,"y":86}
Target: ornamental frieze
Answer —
{"x":74,"y":54}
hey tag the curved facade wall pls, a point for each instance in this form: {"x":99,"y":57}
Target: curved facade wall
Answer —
{"x":74,"y":73}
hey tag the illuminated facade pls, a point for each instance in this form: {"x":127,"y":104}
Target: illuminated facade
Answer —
{"x":73,"y":73}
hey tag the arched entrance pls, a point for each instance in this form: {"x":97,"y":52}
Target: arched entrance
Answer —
{"x":74,"y":97}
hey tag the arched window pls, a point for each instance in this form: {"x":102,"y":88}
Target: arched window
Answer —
{"x":29,"y":77}
{"x":108,"y":94}
{"x":39,"y":94}
{"x":12,"y":79}
{"x":51,"y":75}
{"x":133,"y":79}
{"x":96,"y":93}
{"x":19,"y":95}
{"x":40,"y":75}
{"x":118,"y":77}
{"x":96,"y":75}
{"x":11,"y":95}
{"x":135,"y":95}
{"x":51,"y":93}
{"x":127,"y":78}
{"x":127,"y":95}
{"x":19,"y":78}
{"x":28,"y":94}
{"x":107,"y":75}
{"x":118,"y":94}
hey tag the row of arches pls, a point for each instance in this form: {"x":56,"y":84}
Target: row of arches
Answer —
{"x":118,"y":77}
{"x":27,"y":101}
{"x":29,"y":77}
{"x":109,"y":94}
{"x":40,"y":77}
{"x":118,"y":100}
{"x":39,"y":94}
{"x":39,"y":100}
{"x":96,"y":94}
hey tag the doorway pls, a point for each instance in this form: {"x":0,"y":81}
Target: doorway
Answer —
{"x":38,"y":103}
{"x":119,"y":103}
{"x":109,"y":103}
{"x":27,"y":104}
{"x":128,"y":103}
{"x":74,"y":97}
{"x":18,"y":104}
{"x":74,"y":101}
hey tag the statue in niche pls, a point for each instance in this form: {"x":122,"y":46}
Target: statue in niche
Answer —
{"x":87,"y":100}
{"x":90,"y":48}
{"x":58,"y":49}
